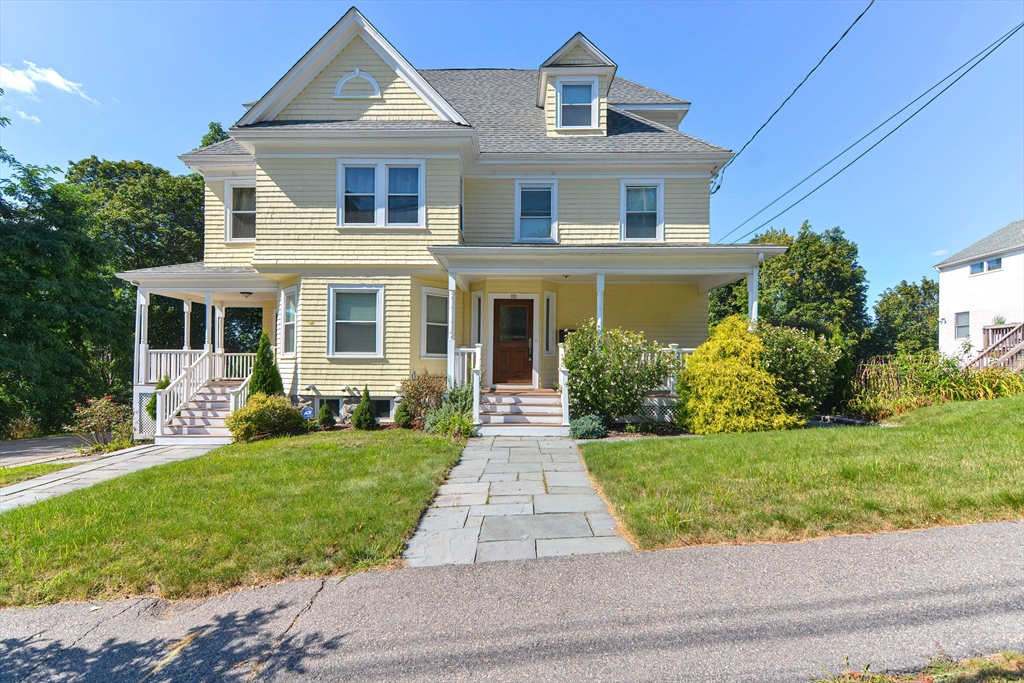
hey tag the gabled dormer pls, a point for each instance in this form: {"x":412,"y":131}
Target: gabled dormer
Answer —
{"x":572,"y":88}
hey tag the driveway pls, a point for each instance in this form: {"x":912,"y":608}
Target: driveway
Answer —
{"x":728,"y":613}
{"x":24,"y":451}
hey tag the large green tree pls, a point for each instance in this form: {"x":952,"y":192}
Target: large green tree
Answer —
{"x":214,"y":135}
{"x":907,"y":318}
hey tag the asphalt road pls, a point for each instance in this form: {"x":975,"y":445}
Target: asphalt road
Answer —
{"x":738,"y":613}
{"x":24,"y":451}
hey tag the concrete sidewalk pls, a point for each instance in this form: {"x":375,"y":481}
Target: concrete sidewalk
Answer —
{"x":728,"y":613}
{"x":78,"y":477}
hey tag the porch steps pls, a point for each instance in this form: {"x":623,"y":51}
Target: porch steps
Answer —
{"x":526,"y":412}
{"x":201,"y":420}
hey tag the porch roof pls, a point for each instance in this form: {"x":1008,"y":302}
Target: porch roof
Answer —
{"x":190,"y":282}
{"x":708,"y":265}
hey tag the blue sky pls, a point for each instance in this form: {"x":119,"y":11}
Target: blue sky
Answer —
{"x":142,"y":80}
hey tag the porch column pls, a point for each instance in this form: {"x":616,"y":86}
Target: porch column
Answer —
{"x":208,"y":330}
{"x":187,"y":341}
{"x":752,"y":295}
{"x":600,"y":303}
{"x":219,"y":330}
{"x":141,"y":337}
{"x":451,"y":328}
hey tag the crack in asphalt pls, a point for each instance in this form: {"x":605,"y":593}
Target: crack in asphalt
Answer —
{"x":257,"y":666}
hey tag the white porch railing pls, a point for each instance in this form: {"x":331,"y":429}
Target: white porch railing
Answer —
{"x":168,"y":364}
{"x":563,"y":384}
{"x":468,"y":368}
{"x":240,"y":396}
{"x":669,"y":383}
{"x":180,"y":391}
{"x":233,"y":365}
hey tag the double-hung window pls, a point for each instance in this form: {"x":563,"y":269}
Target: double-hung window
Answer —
{"x":356,"y":321}
{"x":643,"y":211}
{"x":377,"y":194}
{"x":577,"y":103}
{"x":434,"y":331}
{"x":241,"y":212}
{"x":962,"y":326}
{"x":289,"y":316}
{"x":536,"y":208}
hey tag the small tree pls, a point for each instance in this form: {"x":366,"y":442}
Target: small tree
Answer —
{"x":325,"y":418}
{"x":266,"y":379}
{"x":403,"y":416}
{"x":364,"y":416}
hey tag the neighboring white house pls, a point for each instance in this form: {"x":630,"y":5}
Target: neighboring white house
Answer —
{"x":981,"y":291}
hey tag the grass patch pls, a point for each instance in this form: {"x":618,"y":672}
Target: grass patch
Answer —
{"x":949,"y":464}
{"x":1000,"y":668}
{"x":12,"y":475}
{"x":240,"y":515}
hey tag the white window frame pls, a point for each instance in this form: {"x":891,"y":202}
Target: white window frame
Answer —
{"x":981,"y":268}
{"x":380,"y":194}
{"x":595,"y":109}
{"x":282,"y":326}
{"x":550,"y":324}
{"x":477,"y":318}
{"x":989,"y":262}
{"x":642,"y":182}
{"x":529,"y":183}
{"x":332,"y":289}
{"x":957,"y":327}
{"x":229,"y":186}
{"x":440,"y":293}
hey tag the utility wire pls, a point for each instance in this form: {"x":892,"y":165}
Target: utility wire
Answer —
{"x":863,"y":137}
{"x":721,"y":173}
{"x":997,"y":45}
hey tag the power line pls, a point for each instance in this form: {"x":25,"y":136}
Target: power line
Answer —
{"x":721,"y":173}
{"x":998,"y":44}
{"x":865,"y":136}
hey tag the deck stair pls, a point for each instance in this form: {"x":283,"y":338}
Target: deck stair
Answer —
{"x":525,"y":412}
{"x":201,"y":420}
{"x":1005,"y":348}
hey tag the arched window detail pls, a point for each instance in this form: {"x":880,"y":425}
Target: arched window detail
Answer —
{"x":361,"y":75}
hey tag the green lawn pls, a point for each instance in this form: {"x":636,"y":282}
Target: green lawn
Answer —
{"x":1000,"y":668}
{"x":12,"y":475}
{"x":309,"y":505}
{"x":950,"y":464}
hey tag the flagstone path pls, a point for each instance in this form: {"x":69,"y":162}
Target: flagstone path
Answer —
{"x":513,"y":498}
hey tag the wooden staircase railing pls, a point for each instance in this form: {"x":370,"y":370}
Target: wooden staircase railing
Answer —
{"x":1006,"y":351}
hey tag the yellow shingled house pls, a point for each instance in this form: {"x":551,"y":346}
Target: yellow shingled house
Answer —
{"x":390,"y":221}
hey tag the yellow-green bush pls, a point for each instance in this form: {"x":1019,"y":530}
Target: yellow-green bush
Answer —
{"x":263,"y":416}
{"x":725,"y":387}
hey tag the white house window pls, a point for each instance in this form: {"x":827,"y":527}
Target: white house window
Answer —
{"x":643,"y":211}
{"x":550,"y":332}
{"x":962,"y":329}
{"x":977,"y":268}
{"x":994,"y":264}
{"x":241,"y":212}
{"x":434,"y":332}
{"x":403,"y":195}
{"x":577,"y":103}
{"x":381,"y":193}
{"x":288,"y":324}
{"x":360,"y":195}
{"x":356,"y":321}
{"x":536,"y":211}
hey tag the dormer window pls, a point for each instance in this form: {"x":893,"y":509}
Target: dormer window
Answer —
{"x":577,"y":102}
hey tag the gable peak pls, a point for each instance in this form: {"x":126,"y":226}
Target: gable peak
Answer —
{"x":577,"y":47}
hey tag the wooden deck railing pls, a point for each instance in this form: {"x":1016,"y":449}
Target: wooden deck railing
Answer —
{"x":1006,"y":351}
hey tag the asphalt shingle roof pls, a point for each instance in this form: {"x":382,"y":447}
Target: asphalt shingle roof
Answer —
{"x":627,"y":92}
{"x":221,"y":148}
{"x":1004,"y":239}
{"x":358,"y":125}
{"x":197,"y":268}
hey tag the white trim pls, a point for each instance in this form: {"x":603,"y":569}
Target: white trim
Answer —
{"x":578,"y":39}
{"x":642,"y":182}
{"x":537,"y":183}
{"x":477,"y":317}
{"x":283,"y":308}
{"x":440,"y":294}
{"x":595,"y":98}
{"x":332,"y":289}
{"x":550,"y":326}
{"x":380,"y":193}
{"x":356,"y":74}
{"x":489,"y":334}
{"x":229,"y":186}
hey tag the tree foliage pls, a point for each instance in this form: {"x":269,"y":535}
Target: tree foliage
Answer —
{"x":266,"y":378}
{"x":365,"y":415}
{"x":907,"y":318}
{"x":214,"y":135}
{"x":803,"y":365}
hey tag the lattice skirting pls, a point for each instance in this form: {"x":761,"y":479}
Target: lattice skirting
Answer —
{"x":145,"y":427}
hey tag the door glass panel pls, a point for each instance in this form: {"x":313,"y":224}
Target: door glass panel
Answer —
{"x":512,"y":324}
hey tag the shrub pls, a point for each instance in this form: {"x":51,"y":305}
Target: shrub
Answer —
{"x":102,"y":423}
{"x":725,"y":387}
{"x":802,"y":364}
{"x":265,"y":415}
{"x":403,"y":416}
{"x":610,"y":375}
{"x":162,"y":383}
{"x":365,"y":415}
{"x":455,"y":426}
{"x":325,"y":418}
{"x":457,"y":401}
{"x":587,"y":427}
{"x":266,"y":379}
{"x":423,"y":392}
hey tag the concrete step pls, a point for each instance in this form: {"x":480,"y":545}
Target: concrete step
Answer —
{"x":521,"y":430}
{"x":527,"y":400}
{"x":191,"y":440}
{"x":178,"y":430}
{"x":189,"y":411}
{"x":197,"y":421}
{"x":521,"y":408}
{"x":224,"y":406}
{"x":489,"y":418}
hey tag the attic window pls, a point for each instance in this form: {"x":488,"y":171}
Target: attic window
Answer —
{"x":364,"y":90}
{"x":577,"y":102}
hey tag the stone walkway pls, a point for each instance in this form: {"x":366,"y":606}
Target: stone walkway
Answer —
{"x":514,"y":498}
{"x":81,"y":476}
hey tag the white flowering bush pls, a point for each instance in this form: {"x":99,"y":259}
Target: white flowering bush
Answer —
{"x":803,"y":365}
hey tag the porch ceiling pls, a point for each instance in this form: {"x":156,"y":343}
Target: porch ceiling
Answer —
{"x":191,"y":282}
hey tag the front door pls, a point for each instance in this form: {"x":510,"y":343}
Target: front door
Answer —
{"x":513,"y":341}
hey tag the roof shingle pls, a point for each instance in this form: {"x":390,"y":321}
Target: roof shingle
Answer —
{"x":1004,"y":239}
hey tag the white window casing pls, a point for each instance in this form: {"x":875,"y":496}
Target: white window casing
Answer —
{"x":550,"y":325}
{"x":390,"y":193}
{"x":477,"y":317}
{"x":433,"y":323}
{"x":351,"y":331}
{"x":634,"y":208}
{"x":528,"y":215}
{"x":237,"y":218}
{"x":289,"y":308}
{"x":569,"y":106}
{"x":962,"y":325}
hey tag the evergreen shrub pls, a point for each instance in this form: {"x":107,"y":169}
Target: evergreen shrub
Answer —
{"x":266,"y":378}
{"x":365,"y":416}
{"x":587,"y":427}
{"x":403,"y":416}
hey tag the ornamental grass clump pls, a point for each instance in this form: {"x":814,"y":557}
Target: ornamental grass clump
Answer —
{"x":453,"y":417}
{"x":726,"y":388}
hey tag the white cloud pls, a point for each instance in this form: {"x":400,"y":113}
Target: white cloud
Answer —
{"x":25,"y":80}
{"x":27,"y":117}
{"x":940,"y":252}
